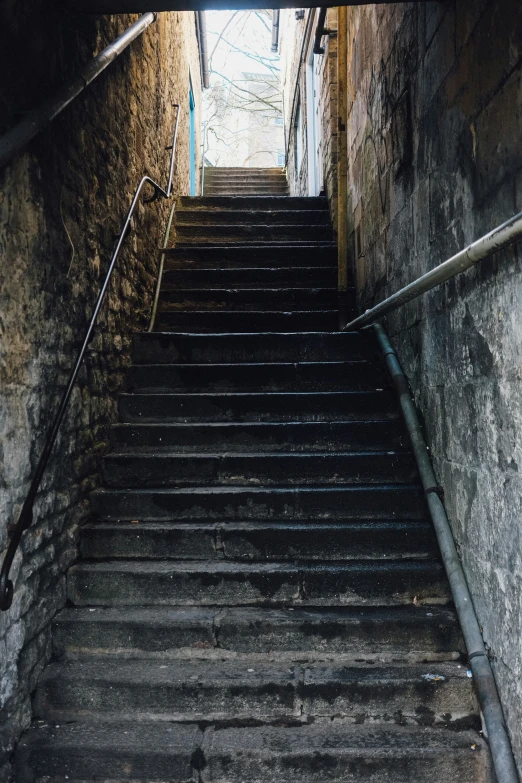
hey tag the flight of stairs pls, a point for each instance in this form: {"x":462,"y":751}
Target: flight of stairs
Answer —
{"x":244,"y":182}
{"x":260,"y":594}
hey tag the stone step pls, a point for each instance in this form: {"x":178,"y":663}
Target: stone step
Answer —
{"x":252,"y":217}
{"x":273,"y":376}
{"x":244,"y":169}
{"x":245,"y":191}
{"x":174,"y":299}
{"x":379,"y":755}
{"x":251,"y":185}
{"x":291,"y":436}
{"x":257,"y":541}
{"x":251,"y":277}
{"x":223,"y":232}
{"x":254,"y":184}
{"x":224,"y":203}
{"x":261,"y":503}
{"x":222,"y":583}
{"x":252,"y":406}
{"x":193,"y":348}
{"x":155,"y":752}
{"x":244,"y":175}
{"x":246,"y":321}
{"x":268,"y":255}
{"x":246,"y":689}
{"x":390,"y":634}
{"x":279,"y":469}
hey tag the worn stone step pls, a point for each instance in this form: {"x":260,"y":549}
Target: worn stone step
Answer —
{"x":322,"y":276}
{"x":271,"y":186}
{"x":386,"y":434}
{"x":193,"y":348}
{"x":268,"y":178}
{"x":254,"y":186}
{"x":257,"y":541}
{"x":257,"y":406}
{"x":295,"y":468}
{"x":259,"y":376}
{"x":283,"y":203}
{"x":253,"y":189}
{"x":377,"y":755}
{"x":173,"y":691}
{"x":174,"y":298}
{"x":249,"y":690}
{"x":178,"y":583}
{"x":248,"y":503}
{"x":268,"y":255}
{"x":244,"y":169}
{"x":155,"y":752}
{"x":246,"y":321}
{"x":252,"y":217}
{"x":245,"y":174}
{"x":231,"y":232}
{"x":390,"y":634}
{"x":145,"y":752}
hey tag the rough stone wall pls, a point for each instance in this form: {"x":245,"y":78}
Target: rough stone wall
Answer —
{"x":62,"y":203}
{"x":435,"y":161}
{"x":294,"y":78}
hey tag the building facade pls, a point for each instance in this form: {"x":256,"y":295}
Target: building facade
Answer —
{"x":244,"y":122}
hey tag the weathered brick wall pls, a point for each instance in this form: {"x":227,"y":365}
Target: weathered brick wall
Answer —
{"x":435,"y":161}
{"x":61,"y":204}
{"x":294,"y":78}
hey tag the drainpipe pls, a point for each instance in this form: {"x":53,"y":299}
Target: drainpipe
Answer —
{"x":38,"y":119}
{"x":497,"y":734}
{"x":201,"y":27}
{"x":320,"y":30}
{"x":342,"y":164}
{"x":275,"y":29}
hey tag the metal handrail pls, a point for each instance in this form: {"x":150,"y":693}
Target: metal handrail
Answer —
{"x":26,"y":516}
{"x":496,"y":731}
{"x":160,"y":269}
{"x":498,"y":239}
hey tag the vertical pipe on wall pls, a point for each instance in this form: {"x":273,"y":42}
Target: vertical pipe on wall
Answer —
{"x":342,"y":164}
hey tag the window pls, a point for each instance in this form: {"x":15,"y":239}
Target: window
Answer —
{"x":278,"y":120}
{"x":280,"y":158}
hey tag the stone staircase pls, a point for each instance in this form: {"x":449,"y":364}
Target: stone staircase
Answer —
{"x":259,"y":594}
{"x":244,"y":182}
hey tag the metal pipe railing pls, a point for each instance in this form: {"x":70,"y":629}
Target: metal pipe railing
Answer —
{"x":497,"y":735}
{"x":498,"y":239}
{"x":26,"y":516}
{"x":160,"y":269}
{"x":38,"y":119}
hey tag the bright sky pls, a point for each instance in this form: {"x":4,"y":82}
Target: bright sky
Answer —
{"x":244,"y":35}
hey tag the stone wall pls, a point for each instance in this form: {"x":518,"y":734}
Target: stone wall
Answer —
{"x":62,"y":204}
{"x":294,"y":82}
{"x":435,"y":161}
